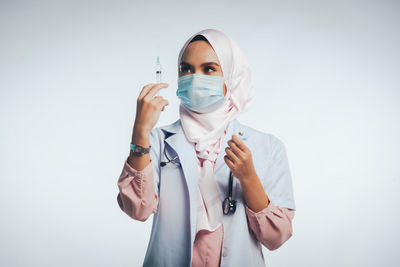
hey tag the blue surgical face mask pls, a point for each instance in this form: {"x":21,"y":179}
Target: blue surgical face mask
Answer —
{"x":201,"y":93}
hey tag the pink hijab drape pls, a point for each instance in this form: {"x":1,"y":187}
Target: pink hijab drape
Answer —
{"x":206,"y":130}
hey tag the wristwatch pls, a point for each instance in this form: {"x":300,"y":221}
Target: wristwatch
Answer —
{"x":139,"y":150}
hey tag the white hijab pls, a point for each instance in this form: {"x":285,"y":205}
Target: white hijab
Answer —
{"x":206,"y":130}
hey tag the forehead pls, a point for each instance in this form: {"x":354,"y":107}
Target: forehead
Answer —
{"x":199,"y":51}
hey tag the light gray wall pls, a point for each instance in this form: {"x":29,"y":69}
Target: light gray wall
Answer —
{"x":326,"y":75}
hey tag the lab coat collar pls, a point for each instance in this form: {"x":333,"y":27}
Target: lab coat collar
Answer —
{"x":176,"y":138}
{"x":234,"y":126}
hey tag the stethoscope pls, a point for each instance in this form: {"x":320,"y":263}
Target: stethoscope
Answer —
{"x":229,"y":204}
{"x":163,"y":163}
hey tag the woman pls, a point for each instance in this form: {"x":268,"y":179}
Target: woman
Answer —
{"x":180,"y":173}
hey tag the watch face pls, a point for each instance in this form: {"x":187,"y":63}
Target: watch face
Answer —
{"x":139,"y":150}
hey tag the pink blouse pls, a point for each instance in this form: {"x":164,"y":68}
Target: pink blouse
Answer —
{"x":272,"y":226}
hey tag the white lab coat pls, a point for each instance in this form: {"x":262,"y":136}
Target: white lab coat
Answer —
{"x":174,"y":223}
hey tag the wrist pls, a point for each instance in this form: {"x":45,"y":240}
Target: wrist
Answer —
{"x":141,"y":138}
{"x":138,"y":129}
{"x":249,"y":179}
{"x":139,"y":150}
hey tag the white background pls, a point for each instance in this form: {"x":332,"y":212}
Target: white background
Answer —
{"x":326,"y":77}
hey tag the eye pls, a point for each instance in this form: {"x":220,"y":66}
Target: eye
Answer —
{"x":209,"y":69}
{"x":184,"y":69}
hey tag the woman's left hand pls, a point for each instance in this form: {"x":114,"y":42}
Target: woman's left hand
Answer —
{"x":239,"y":159}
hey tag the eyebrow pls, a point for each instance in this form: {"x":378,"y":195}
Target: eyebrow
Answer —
{"x":205,"y":63}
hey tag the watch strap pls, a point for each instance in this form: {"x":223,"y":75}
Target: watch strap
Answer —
{"x":139,"y":150}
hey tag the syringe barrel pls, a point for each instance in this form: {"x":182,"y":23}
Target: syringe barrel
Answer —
{"x":158,"y":73}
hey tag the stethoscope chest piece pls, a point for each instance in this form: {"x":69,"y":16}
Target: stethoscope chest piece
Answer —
{"x":229,"y":205}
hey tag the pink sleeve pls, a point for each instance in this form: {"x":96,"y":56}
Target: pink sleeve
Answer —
{"x":272,"y":226}
{"x":137,"y":196}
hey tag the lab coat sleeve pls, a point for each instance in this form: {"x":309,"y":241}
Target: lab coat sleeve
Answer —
{"x":272,"y":226}
{"x":138,"y":190}
{"x":277,"y":178}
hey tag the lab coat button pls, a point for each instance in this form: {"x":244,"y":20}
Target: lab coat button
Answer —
{"x":225,"y":253}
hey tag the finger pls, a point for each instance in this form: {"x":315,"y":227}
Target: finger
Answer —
{"x":154,"y":89}
{"x":229,"y":162}
{"x":238,"y":152}
{"x":164,"y":103}
{"x":231,"y":155}
{"x":145,"y":89}
{"x":160,"y":102}
{"x":156,"y":99}
{"x":239,"y":143}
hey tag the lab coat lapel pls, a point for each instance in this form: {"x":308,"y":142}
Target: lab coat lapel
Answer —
{"x":188,"y":160}
{"x":221,"y":173}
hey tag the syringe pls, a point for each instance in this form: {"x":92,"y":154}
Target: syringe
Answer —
{"x":158,"y":70}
